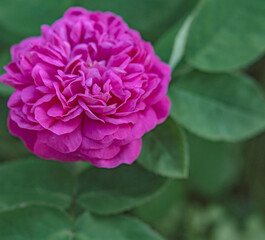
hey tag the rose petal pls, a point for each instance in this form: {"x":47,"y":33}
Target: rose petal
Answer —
{"x":128,"y":154}
{"x":162,"y":109}
{"x":97,"y":130}
{"x":65,"y":143}
{"x":28,"y":136}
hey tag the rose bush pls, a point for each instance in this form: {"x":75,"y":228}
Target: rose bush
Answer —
{"x":87,"y":89}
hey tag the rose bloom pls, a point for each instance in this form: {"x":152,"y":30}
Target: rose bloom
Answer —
{"x":87,"y":89}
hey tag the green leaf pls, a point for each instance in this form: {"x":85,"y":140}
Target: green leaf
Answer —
{"x":10,"y":147}
{"x":168,"y":207}
{"x":35,"y":223}
{"x":171,"y":195}
{"x":227,"y":107}
{"x":26,"y":17}
{"x":164,"y":45}
{"x":4,"y":60}
{"x":150,"y":17}
{"x":214,"y":166}
{"x":165,"y":151}
{"x":7,"y":38}
{"x":180,"y":43}
{"x":107,"y":191}
{"x":255,"y":168}
{"x":39,"y":222}
{"x":35,"y":181}
{"x":5,"y":90}
{"x":115,"y":227}
{"x":227,"y":35}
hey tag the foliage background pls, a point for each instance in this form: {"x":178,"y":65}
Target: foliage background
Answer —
{"x":216,"y":127}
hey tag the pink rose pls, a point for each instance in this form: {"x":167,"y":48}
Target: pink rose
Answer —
{"x":87,"y":89}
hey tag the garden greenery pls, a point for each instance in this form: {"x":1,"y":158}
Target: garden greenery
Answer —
{"x":213,"y":136}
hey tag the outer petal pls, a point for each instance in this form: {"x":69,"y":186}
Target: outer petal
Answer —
{"x":162,"y":109}
{"x":28,"y":136}
{"x":42,"y":150}
{"x":65,"y":143}
{"x":128,"y":154}
{"x":101,"y":154}
{"x":147,"y":122}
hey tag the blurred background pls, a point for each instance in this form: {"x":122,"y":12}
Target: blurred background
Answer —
{"x":224,"y":196}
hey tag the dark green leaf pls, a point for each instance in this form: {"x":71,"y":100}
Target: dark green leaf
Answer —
{"x":150,"y":17}
{"x":10,"y":147}
{"x":5,"y":90}
{"x":218,"y":107}
{"x":255,"y":169}
{"x":165,"y":211}
{"x":107,"y":191}
{"x":4,"y":59}
{"x":171,"y":195}
{"x":227,"y":34}
{"x":35,"y":181}
{"x":165,"y":151}
{"x":90,"y":227}
{"x":215,"y":167}
{"x":35,"y":223}
{"x":46,"y":223}
{"x":26,"y":17}
{"x":164,"y":45}
{"x":7,"y":38}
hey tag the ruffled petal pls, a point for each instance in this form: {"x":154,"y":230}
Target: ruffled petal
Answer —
{"x":65,"y":143}
{"x":127,"y":155}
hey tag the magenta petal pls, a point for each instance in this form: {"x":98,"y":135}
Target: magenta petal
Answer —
{"x":88,"y":143}
{"x":9,"y":80}
{"x":132,"y":118}
{"x":123,"y":132}
{"x":22,"y":120}
{"x":75,"y":34}
{"x":75,"y":11}
{"x":162,"y":109}
{"x":28,"y":136}
{"x":103,"y":153}
{"x":42,"y":150}
{"x":59,"y":127}
{"x":65,"y":143}
{"x":146,"y":123}
{"x":30,"y":94}
{"x":15,"y":100}
{"x":97,"y":130}
{"x":56,"y":126}
{"x":56,"y":110}
{"x":128,"y":154}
